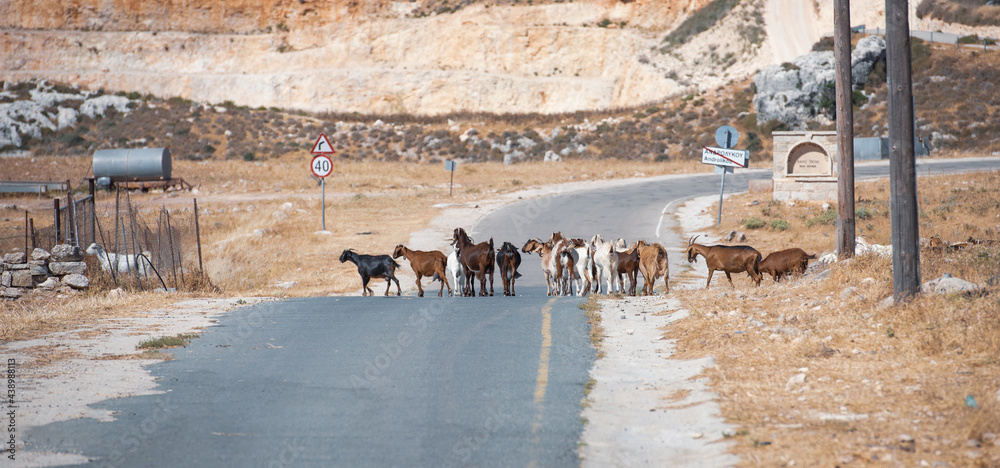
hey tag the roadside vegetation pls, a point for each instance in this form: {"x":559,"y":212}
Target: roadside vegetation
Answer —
{"x":968,"y":12}
{"x":163,"y":342}
{"x":818,"y":372}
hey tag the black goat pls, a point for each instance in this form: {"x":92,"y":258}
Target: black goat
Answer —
{"x":508,"y":260}
{"x":373,"y":266}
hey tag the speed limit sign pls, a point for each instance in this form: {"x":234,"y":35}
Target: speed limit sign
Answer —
{"x":321,"y":165}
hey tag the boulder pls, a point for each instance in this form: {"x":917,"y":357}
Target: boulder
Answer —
{"x":15,"y":257}
{"x":49,"y":284}
{"x":16,"y":266}
{"x":21,"y":279}
{"x":866,"y":54}
{"x":790,"y":92}
{"x":39,"y":255}
{"x":551,"y":156}
{"x":948,"y":284}
{"x":66,"y":268}
{"x":5,"y":279}
{"x":10,"y":293}
{"x":67,"y":253}
{"x":76,"y":281}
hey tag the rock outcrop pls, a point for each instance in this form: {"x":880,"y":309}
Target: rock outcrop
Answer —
{"x":338,"y":56}
{"x":791,"y":92}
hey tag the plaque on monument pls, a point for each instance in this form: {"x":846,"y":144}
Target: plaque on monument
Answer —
{"x":809,"y":159}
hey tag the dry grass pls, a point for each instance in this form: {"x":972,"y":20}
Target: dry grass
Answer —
{"x":37,"y":315}
{"x":873,"y":376}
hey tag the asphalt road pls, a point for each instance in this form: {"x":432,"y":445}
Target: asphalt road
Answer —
{"x":358,"y":382}
{"x":380,"y":381}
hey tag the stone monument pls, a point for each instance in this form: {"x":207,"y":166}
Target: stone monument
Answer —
{"x":806,"y":166}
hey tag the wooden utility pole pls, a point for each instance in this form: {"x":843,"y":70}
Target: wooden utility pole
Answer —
{"x":845,"y":127}
{"x":902,"y":165}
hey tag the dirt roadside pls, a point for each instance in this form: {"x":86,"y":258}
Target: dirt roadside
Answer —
{"x":647,"y":409}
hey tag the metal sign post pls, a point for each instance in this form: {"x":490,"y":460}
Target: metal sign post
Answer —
{"x":449,"y":165}
{"x":321,"y":167}
{"x":725,"y":159}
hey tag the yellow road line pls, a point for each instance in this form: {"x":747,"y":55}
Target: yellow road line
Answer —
{"x":542,"y":381}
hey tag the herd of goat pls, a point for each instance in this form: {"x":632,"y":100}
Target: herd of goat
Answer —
{"x":570,"y":265}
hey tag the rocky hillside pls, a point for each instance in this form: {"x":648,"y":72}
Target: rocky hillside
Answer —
{"x":954,"y":92}
{"x":348,"y":56}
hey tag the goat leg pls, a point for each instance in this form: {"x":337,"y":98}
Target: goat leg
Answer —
{"x":730,"y":280}
{"x":420,"y":289}
{"x":710,"y":273}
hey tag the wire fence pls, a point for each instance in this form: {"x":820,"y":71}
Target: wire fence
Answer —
{"x":132,"y":246}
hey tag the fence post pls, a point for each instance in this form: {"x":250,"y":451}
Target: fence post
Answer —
{"x":55,"y":202}
{"x":26,"y":234}
{"x":197,"y":234}
{"x":69,"y":213}
{"x":34,"y":238}
{"x":93,"y":211}
{"x":170,"y":241}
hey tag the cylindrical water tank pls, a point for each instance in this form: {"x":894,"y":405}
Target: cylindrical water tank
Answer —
{"x":132,"y":164}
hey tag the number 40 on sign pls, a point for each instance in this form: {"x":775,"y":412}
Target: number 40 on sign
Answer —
{"x":321,"y":165}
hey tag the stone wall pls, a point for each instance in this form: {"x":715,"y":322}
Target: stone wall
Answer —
{"x":806,"y":166}
{"x":62,"y":270}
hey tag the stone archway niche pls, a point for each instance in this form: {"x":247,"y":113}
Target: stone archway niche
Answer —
{"x":805,"y":166}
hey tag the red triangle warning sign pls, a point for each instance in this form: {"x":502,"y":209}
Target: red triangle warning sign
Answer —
{"x":322,"y":145}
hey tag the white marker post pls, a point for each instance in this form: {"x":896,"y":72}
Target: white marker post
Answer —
{"x":725,"y":159}
{"x":322,"y":166}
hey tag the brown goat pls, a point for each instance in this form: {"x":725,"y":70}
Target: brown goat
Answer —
{"x":784,"y":262}
{"x":508,"y":260}
{"x":476,"y":259}
{"x":425,"y":263}
{"x":653,"y":264}
{"x":726,"y":258}
{"x":628,"y":264}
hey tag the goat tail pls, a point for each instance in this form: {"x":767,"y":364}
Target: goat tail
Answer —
{"x":394,"y":264}
{"x":517,"y":275}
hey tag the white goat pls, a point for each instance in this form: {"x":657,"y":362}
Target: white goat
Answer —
{"x":578,"y":252}
{"x":606,"y":261}
{"x":456,"y":274}
{"x":122,"y":263}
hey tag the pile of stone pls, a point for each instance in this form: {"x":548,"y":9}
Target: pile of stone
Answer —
{"x":62,"y":270}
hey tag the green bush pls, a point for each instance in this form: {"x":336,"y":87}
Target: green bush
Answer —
{"x":779,"y":225}
{"x":248,"y":156}
{"x":754,"y":223}
{"x":826,"y":217}
{"x":862,"y":212}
